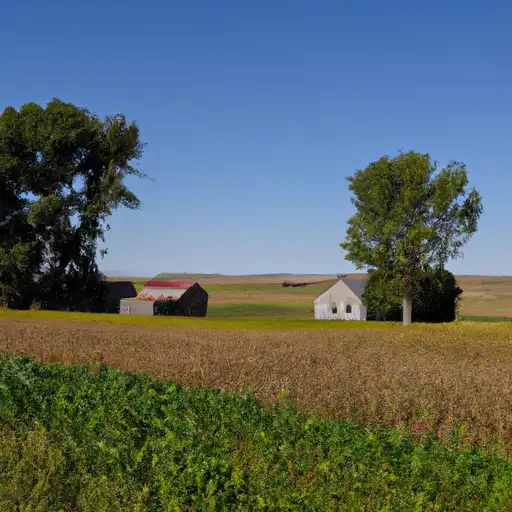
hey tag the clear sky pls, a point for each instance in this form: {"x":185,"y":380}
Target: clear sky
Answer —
{"x":254,"y":112}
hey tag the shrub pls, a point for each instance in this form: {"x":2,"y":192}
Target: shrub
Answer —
{"x":164,"y":307}
{"x":437,"y":298}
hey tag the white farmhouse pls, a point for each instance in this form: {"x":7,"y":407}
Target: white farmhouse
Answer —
{"x":342,"y":301}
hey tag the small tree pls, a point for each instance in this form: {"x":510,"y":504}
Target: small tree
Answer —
{"x":409,"y":216}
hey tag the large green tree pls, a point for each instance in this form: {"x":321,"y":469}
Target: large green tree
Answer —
{"x":410,"y":215}
{"x":62,"y":173}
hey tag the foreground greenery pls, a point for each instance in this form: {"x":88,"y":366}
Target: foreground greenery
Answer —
{"x":90,"y":438}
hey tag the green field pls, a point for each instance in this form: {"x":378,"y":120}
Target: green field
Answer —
{"x":486,"y":318}
{"x":94,"y":439}
{"x":253,"y":316}
{"x":258,"y":310}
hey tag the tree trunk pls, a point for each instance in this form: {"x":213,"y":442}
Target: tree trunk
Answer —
{"x":407,"y":309}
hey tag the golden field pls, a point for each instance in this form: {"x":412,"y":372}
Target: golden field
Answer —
{"x":430,"y":378}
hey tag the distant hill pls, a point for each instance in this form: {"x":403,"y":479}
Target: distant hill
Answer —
{"x":170,"y":276}
{"x":244,"y":279}
{"x":122,"y":273}
{"x":165,"y":276}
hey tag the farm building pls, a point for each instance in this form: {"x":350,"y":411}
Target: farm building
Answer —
{"x":167,"y":298}
{"x":118,"y":290}
{"x":342,"y":301}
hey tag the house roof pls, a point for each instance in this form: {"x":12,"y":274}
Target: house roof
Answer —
{"x":168,"y":284}
{"x":356,"y":286}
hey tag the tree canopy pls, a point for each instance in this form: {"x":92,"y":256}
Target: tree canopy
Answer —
{"x":62,"y":174}
{"x":410,"y":216}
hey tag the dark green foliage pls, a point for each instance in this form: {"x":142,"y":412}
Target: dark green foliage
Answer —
{"x":410,"y":215}
{"x":165,"y":307}
{"x":440,"y":299}
{"x":194,"y":302}
{"x":62,"y":173}
{"x":437,"y":298}
{"x":90,"y":438}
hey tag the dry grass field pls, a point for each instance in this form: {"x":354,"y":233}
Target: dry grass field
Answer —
{"x":486,"y":296}
{"x":433,"y":379}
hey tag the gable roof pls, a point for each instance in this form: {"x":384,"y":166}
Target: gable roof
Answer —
{"x":356,"y":286}
{"x":167,"y":284}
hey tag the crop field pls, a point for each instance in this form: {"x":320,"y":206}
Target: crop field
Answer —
{"x":442,"y":377}
{"x":386,"y":416}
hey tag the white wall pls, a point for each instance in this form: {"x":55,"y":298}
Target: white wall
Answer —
{"x":136,"y":307}
{"x":340,"y":296}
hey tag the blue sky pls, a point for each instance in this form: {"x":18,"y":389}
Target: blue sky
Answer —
{"x":255,"y":112}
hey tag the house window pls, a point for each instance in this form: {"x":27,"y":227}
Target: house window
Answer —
{"x":334,"y":308}
{"x":348,"y":309}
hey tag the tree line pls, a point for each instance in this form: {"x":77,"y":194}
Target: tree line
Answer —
{"x":63,"y":172}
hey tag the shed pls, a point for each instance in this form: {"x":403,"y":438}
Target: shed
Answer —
{"x":342,"y":301}
{"x":179,"y":298}
{"x":116,"y":291}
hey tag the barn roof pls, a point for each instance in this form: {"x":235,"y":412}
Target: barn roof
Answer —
{"x":168,"y":284}
{"x":121,"y":289}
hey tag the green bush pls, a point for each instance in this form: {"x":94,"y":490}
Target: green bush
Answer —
{"x":164,"y":307}
{"x":436,"y":299}
{"x":91,"y":438}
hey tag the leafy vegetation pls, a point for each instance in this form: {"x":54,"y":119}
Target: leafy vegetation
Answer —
{"x":62,"y":173}
{"x":410,"y":218}
{"x":437,"y":299}
{"x":91,"y":438}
